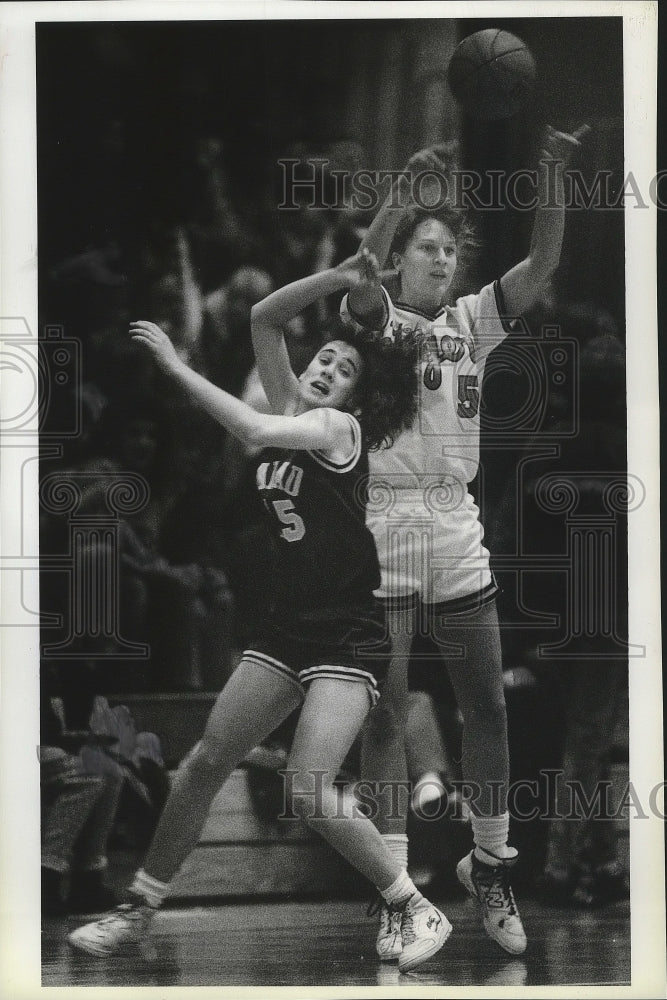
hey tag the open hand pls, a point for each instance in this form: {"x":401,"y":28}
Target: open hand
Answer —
{"x":362,"y":269}
{"x":158,"y":343}
{"x":433,"y":166}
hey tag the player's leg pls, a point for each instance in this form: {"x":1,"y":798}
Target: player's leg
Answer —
{"x":383,"y":752}
{"x":384,"y":761}
{"x":254,"y":701}
{"x":470,"y":644}
{"x":252,"y":704}
{"x":333,"y":713}
{"x":428,"y":761}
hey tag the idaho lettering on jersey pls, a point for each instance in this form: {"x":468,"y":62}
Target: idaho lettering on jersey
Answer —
{"x":314,"y":504}
{"x":280,"y":476}
{"x":286,"y":477}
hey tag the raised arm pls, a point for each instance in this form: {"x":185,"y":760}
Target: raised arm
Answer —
{"x":269,"y":317}
{"x":268,"y":320}
{"x":319,"y":429}
{"x":523,"y":284}
{"x":379,"y":235}
{"x":434,"y":165}
{"x":366,"y":302}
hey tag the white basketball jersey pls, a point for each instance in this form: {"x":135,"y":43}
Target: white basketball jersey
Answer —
{"x":454,"y":345}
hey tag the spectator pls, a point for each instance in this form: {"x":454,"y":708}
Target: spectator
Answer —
{"x":79,"y":808}
{"x":582,"y":865}
{"x":220,"y":228}
{"x":226,"y":355}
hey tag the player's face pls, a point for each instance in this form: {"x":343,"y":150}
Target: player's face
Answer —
{"x":426,"y":266}
{"x":332,"y":377}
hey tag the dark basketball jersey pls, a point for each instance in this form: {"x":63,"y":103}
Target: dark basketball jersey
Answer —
{"x":326,"y":556}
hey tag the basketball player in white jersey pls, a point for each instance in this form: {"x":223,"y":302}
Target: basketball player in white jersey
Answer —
{"x":426,"y":524}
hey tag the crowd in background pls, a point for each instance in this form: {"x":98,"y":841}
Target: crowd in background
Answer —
{"x":183,"y":556}
{"x":192,"y":561}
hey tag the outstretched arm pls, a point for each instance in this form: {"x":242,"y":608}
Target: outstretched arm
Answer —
{"x":523,"y":283}
{"x":324,"y":429}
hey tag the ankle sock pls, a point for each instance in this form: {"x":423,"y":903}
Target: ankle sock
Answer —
{"x":401,"y":890}
{"x":151,"y":889}
{"x":490,"y":834}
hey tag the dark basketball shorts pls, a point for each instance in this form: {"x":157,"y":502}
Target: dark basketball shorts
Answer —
{"x":348,"y":644}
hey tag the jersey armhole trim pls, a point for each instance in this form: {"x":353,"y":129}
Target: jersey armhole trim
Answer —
{"x":349,"y":463}
{"x":508,"y":322}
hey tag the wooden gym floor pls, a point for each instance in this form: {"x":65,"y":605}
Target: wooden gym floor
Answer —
{"x":332,"y":944}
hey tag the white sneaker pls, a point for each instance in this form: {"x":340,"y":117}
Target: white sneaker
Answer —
{"x":424,"y":930}
{"x":388,"y":943}
{"x":490,"y":885}
{"x":125,"y":926}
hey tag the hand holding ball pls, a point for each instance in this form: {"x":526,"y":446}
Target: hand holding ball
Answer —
{"x":491,"y":74}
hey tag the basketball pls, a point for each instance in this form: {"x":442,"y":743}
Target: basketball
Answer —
{"x":491,"y":74}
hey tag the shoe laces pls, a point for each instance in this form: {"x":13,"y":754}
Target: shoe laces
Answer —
{"x":125,"y":911}
{"x":498,"y":890}
{"x":408,"y":926}
{"x":388,"y":914}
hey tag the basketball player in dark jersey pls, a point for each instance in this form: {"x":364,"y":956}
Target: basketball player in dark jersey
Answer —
{"x":355,"y":394}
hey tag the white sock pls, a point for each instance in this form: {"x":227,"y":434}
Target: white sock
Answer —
{"x":150,"y":888}
{"x":400,"y":891}
{"x":398,"y":847}
{"x":490,"y":834}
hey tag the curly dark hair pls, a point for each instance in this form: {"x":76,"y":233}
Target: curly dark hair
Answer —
{"x":387,"y":390}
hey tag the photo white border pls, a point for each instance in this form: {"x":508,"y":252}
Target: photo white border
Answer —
{"x":20,"y":960}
